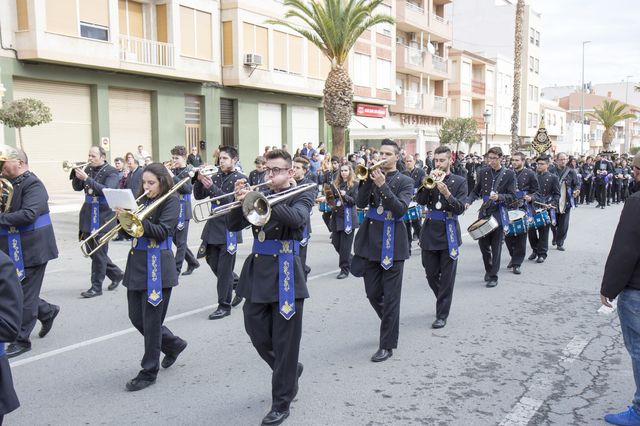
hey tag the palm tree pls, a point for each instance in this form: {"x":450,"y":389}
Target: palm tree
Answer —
{"x":517,"y":76}
{"x":610,"y":113}
{"x":334,"y":26}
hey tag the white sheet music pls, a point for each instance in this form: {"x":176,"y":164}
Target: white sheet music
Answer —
{"x":120,"y":198}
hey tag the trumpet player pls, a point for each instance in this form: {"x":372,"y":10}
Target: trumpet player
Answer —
{"x":219,"y":245}
{"x":417,"y":174}
{"x":26,"y":235}
{"x":273,"y":283}
{"x":440,"y":239}
{"x":95,"y":212}
{"x":344,"y":219}
{"x":179,"y":171}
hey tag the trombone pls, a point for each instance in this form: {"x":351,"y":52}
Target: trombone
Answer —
{"x":204,"y":171}
{"x":256,"y":207}
{"x":128,"y":221}
{"x":202,"y":210}
{"x":68,"y":165}
{"x":362,"y":172}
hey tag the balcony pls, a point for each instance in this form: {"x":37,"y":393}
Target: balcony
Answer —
{"x":409,"y":102}
{"x":440,"y":27}
{"x":411,"y":16}
{"x":413,"y":100}
{"x":479,"y":122}
{"x":437,"y":67}
{"x":410,"y":60}
{"x":146,"y":52}
{"x":477,"y":89}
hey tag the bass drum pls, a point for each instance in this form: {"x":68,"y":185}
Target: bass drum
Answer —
{"x":483,"y":227}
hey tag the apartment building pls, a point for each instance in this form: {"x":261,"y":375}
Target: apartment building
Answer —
{"x":555,"y":120}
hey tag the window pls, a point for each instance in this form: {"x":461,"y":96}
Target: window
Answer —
{"x":537,"y":38}
{"x":256,"y":41}
{"x":384,"y":28}
{"x":319,"y":65}
{"x":535,"y":120}
{"x":537,"y":66}
{"x":465,"y":111}
{"x":530,"y":92}
{"x":465,"y":76}
{"x":536,"y":91}
{"x":196,"y":33}
{"x":532,"y":35}
{"x":383,"y":74}
{"x":361,"y":70}
{"x":287,"y":52}
{"x":489,"y":82}
{"x":227,"y":43}
{"x":529,"y":119}
{"x":531,"y":63}
{"x":23,"y":15}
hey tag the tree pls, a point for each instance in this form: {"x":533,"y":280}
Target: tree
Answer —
{"x":608,"y":114}
{"x":334,"y":26}
{"x":27,"y":112}
{"x":456,"y":130}
{"x":517,"y":76}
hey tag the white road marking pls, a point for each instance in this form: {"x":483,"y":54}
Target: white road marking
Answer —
{"x":522,"y":412}
{"x":574,"y":349}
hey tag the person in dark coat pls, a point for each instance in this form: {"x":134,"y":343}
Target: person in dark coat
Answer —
{"x":586,"y":174}
{"x":603,"y":170}
{"x":273,"y":283}
{"x":301,"y":171}
{"x":328,"y":176}
{"x":387,"y":193}
{"x":621,"y":280}
{"x":257,"y":175}
{"x":567,"y":175}
{"x":496,"y":186}
{"x":194,"y":159}
{"x":150,"y":276}
{"x":132,"y":180}
{"x":548,"y":193}
{"x":94,"y":214}
{"x":441,"y":239}
{"x":10,"y":323}
{"x":344,"y":219}
{"x":180,"y":171}
{"x":219,"y":245}
{"x":417,"y":174}
{"x":26,"y":235}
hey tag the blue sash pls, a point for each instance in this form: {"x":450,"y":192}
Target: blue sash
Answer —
{"x":527,"y":206}
{"x":572,"y":201}
{"x":154,"y":267}
{"x":504,"y":214}
{"x":15,"y":243}
{"x":285,"y":250}
{"x":388,"y":231}
{"x":95,"y":202}
{"x":450,"y":223}
{"x":305,"y":236}
{"x":348,"y":226}
{"x":552,"y":215}
{"x":184,"y":198}
{"x":232,"y":242}
{"x":2,"y":353}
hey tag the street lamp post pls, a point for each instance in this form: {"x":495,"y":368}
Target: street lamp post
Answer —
{"x":487,"y":119}
{"x":626,"y":126}
{"x":582,"y":102}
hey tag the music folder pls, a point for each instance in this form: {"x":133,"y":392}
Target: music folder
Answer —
{"x":120,"y":198}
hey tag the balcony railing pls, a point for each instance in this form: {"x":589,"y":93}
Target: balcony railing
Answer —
{"x":413,"y":56}
{"x":147,"y":52}
{"x":415,"y":8}
{"x":478,"y":87}
{"x":439,"y":63}
{"x":440,"y":19}
{"x":412,"y":99}
{"x":440,"y":104}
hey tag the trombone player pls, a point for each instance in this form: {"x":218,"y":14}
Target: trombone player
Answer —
{"x":95,"y":212}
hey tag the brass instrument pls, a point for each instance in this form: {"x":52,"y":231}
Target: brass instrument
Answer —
{"x":256,"y":207}
{"x":68,"y":165}
{"x":200,"y":215}
{"x":204,"y":171}
{"x":362,"y":172}
{"x":6,"y":188}
{"x":431,"y":179}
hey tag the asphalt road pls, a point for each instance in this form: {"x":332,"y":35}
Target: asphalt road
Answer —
{"x":534,"y":350}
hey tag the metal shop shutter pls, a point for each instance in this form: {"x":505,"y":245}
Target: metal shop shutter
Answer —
{"x":130,"y":122}
{"x":305,"y":126}
{"x":66,"y":137}
{"x":269,"y":126}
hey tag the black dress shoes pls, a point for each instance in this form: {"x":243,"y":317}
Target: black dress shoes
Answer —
{"x":90,"y":293}
{"x":275,"y":418}
{"x":382,"y":355}
{"x":169,"y":359}
{"x":115,"y":283}
{"x":553,"y":242}
{"x":533,"y":256}
{"x":516,"y":270}
{"x":560,"y":248}
{"x":439,"y":323}
{"x":486,"y":278}
{"x":492,"y":283}
{"x":190,"y":269}
{"x":540,"y":259}
{"x":48,"y":323}
{"x":219,"y":313}
{"x":139,"y":384}
{"x":236,"y":301}
{"x":510,"y":265}
{"x":342,"y":275}
{"x":15,"y":349}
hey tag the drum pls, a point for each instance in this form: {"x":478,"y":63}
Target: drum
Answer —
{"x":413,"y":213}
{"x":540,"y":219}
{"x":483,"y":227}
{"x":517,"y":223}
{"x":324,"y":207}
{"x":361,"y":215}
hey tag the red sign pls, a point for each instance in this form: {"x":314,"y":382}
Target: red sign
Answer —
{"x":368,"y":110}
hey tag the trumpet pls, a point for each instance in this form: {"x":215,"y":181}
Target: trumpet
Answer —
{"x":202,"y":210}
{"x":431,"y":180}
{"x":362,"y":172}
{"x":68,"y":165}
{"x":256,"y":207}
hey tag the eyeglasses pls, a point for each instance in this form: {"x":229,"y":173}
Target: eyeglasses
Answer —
{"x":274,"y":170}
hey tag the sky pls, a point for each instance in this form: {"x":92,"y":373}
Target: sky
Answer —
{"x":612,"y":26}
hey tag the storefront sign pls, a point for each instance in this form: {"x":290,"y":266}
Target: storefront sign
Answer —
{"x":420,"y":120}
{"x":368,"y":110}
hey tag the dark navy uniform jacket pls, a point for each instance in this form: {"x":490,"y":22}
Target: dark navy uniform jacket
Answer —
{"x":256,"y":177}
{"x":434,"y":235}
{"x":395,"y":196}
{"x":10,"y":322}
{"x":259,"y":277}
{"x":571,"y":179}
{"x":313,"y":190}
{"x":602,"y":165}
{"x":417,"y":175}
{"x":159,"y":225}
{"x":134,"y":181}
{"x":105,"y":176}
{"x":526,"y":182}
{"x":489,"y":180}
{"x":187,"y":188}
{"x":586,"y":170}
{"x":549,"y":189}
{"x":30,"y":201}
{"x":349,"y":199}
{"x":215,"y":230}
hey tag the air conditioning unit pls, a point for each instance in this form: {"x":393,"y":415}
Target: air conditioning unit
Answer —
{"x":252,"y":59}
{"x":412,"y":36}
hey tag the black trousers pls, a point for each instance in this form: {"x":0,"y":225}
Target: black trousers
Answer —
{"x":222,"y":263}
{"x":539,"y":240}
{"x":624,"y":193}
{"x":383,"y":288}
{"x":491,"y":248}
{"x":326,"y":217}
{"x":277,"y":341}
{"x":303,"y":257}
{"x":417,"y":227}
{"x":32,"y":306}
{"x":148,"y":319}
{"x":585,"y":191}
{"x":343,"y":243}
{"x":601,"y":193}
{"x":616,"y":191}
{"x":517,"y":247}
{"x":182,"y":249}
{"x":441,"y":276}
{"x":562,"y":227}
{"x":101,"y":266}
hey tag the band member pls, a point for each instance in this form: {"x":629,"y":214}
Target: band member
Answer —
{"x":132,"y":180}
{"x":627,"y":176}
{"x":568,"y":175}
{"x":526,"y":184}
{"x":328,"y":176}
{"x":344,"y":219}
{"x":194,"y":159}
{"x":379,"y":258}
{"x":440,"y":238}
{"x":10,"y":323}
{"x":602,"y":169}
{"x":179,"y":171}
{"x":472,"y":173}
{"x":417,"y":175}
{"x":95,"y":212}
{"x":218,"y":243}
{"x":149,"y":291}
{"x":274,"y":305}
{"x":300,"y":168}
{"x":257,"y":176}
{"x":548,"y":193}
{"x":586,"y":172}
{"x":497,"y":187}
{"x":27,"y":236}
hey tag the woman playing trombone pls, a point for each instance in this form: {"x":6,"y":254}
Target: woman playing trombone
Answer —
{"x":344,"y":218}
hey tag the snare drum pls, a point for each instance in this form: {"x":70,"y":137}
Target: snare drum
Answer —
{"x":324,"y":207}
{"x":361,"y":215}
{"x":413,"y":213}
{"x":483,"y":227}
{"x":517,"y":223}
{"x":540,"y":219}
